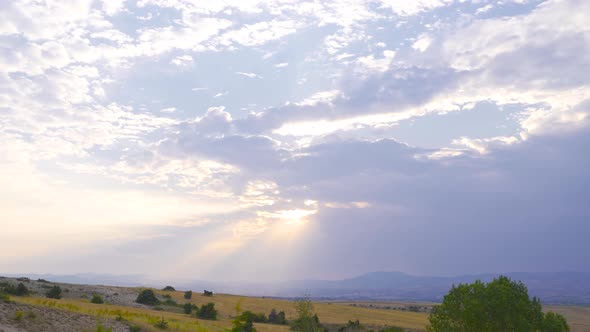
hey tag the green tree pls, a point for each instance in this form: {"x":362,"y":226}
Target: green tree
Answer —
{"x":147,"y":297}
{"x":553,"y":322}
{"x":188,"y":294}
{"x":307,"y":320}
{"x":501,"y":305}
{"x":207,"y":311}
{"x":277,"y":317}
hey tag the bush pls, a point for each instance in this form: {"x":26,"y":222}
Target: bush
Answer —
{"x":54,"y":293}
{"x":277,"y":318}
{"x":134,"y":328}
{"x":207,"y":311}
{"x":169,"y":289}
{"x":189,"y":307}
{"x":256,"y":318}
{"x":147,"y":297}
{"x":19,"y":290}
{"x":42,"y":280}
{"x":241,"y":324}
{"x":4,"y":297}
{"x":501,"y":305}
{"x":207,"y":293}
{"x":188,"y":294}
{"x":18,"y":315}
{"x":97,"y":299}
{"x":351,"y":326}
{"x":161,"y":324}
{"x":170,"y":302}
{"x":307,"y":320}
{"x":392,"y":329}
{"x":553,"y":322}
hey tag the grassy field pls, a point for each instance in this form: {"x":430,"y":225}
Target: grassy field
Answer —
{"x":329,"y":313}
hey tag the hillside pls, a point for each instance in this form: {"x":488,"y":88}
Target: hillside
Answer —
{"x":74,"y":312}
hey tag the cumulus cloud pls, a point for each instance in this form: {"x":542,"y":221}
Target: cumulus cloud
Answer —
{"x":291,"y":157}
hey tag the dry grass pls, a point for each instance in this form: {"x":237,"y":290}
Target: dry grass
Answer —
{"x":330,"y":313}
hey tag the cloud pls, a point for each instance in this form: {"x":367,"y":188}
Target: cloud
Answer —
{"x":249,"y":75}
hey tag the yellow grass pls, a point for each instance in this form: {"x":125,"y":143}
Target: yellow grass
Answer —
{"x":329,"y":313}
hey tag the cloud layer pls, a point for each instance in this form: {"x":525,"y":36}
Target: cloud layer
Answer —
{"x":290,"y":139}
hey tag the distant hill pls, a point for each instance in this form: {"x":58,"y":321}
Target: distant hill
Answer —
{"x":552,"y":287}
{"x":555,"y":287}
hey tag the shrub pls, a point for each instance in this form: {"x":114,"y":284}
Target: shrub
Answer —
{"x":553,"y":322}
{"x":170,"y":302}
{"x":501,"y":305}
{"x":169,"y":289}
{"x":54,"y":293}
{"x":207,"y":293}
{"x":19,"y":290}
{"x":188,"y":308}
{"x":351,"y":326}
{"x":18,"y":315}
{"x":42,"y":280}
{"x":307,"y":320}
{"x":147,"y":297}
{"x":277,"y":318}
{"x":392,"y":329}
{"x":97,"y":299}
{"x":207,"y":311}
{"x":256,"y":318}
{"x":188,"y":294}
{"x":24,"y":279}
{"x":134,"y":328}
{"x":243,"y":324}
{"x":161,"y":324}
{"x":4,"y":297}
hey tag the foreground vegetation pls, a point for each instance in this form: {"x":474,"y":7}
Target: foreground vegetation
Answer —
{"x":501,"y":305}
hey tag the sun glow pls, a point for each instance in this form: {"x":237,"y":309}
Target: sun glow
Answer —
{"x":290,"y":217}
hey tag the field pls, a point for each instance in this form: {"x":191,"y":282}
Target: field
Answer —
{"x":120,"y":308}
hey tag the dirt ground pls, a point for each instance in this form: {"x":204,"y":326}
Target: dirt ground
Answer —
{"x":42,"y":319}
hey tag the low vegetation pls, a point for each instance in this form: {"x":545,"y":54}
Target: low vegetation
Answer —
{"x":54,"y":293}
{"x":501,"y":305}
{"x":169,"y":289}
{"x":11,"y":289}
{"x":188,"y":294}
{"x":97,"y":299}
{"x":207,"y":311}
{"x":307,"y":320}
{"x":147,"y":297}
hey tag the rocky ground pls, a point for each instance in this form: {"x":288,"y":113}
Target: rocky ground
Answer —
{"x":16,"y":317}
{"x":114,"y":295}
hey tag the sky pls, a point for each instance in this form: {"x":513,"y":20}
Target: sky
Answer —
{"x":291,"y":139}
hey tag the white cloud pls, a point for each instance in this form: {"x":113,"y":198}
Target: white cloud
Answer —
{"x":182,"y":60}
{"x":249,"y":75}
{"x":422,"y":43}
{"x":259,"y":33}
{"x":413,"y":7}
